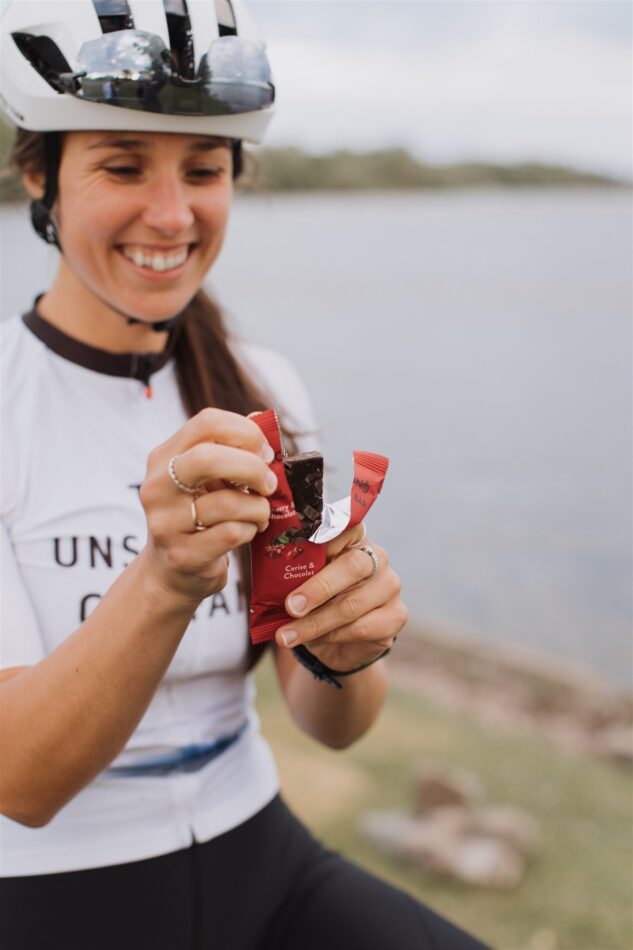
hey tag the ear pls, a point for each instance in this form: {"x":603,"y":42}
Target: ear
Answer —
{"x":34,"y":184}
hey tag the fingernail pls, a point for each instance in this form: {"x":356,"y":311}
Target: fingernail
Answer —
{"x":268,"y":453}
{"x":288,"y":637}
{"x":297,"y":604}
{"x":271,"y":481}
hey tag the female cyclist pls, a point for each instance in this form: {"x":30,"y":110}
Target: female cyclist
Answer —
{"x":140,"y":803}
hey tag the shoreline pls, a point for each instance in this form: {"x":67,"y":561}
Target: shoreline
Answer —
{"x":516,"y":687}
{"x":19,"y":200}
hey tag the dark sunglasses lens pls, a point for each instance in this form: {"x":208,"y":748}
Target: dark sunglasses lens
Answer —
{"x":237,"y":74}
{"x":127,"y":68}
{"x":134,"y":70}
{"x":231,"y":59}
{"x":125,"y":54}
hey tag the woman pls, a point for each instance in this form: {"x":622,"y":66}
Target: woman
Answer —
{"x":139,"y":802}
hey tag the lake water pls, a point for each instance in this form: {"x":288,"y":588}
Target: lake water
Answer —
{"x":483,"y":341}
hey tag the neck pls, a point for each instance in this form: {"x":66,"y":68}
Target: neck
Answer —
{"x":71,"y":307}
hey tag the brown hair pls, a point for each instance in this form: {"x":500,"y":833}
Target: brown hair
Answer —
{"x":208,"y":373}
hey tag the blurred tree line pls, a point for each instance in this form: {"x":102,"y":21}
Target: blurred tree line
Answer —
{"x":10,"y":185}
{"x":291,"y":169}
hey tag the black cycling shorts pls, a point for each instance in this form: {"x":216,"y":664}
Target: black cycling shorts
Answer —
{"x":265,"y":885}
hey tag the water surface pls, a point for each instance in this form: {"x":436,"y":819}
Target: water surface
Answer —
{"x":483,"y":341}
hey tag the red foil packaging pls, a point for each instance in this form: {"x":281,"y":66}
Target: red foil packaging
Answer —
{"x":280,"y":561}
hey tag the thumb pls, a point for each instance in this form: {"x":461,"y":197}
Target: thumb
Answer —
{"x":351,"y":537}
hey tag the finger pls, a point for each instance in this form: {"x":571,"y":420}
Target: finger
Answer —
{"x":224,"y":537}
{"x":206,"y":462}
{"x":349,"y":568}
{"x":384,"y":623}
{"x":220,"y":425}
{"x":351,"y":537}
{"x":227,"y":505}
{"x":196,"y":551}
{"x":344,"y":609}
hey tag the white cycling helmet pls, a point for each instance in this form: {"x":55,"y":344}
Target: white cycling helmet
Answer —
{"x":191,"y":66}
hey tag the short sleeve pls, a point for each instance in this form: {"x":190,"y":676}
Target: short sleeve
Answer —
{"x":282,"y":386}
{"x":20,"y":639}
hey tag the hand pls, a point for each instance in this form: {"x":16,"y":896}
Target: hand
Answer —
{"x":214,"y":448}
{"x":346,"y":620}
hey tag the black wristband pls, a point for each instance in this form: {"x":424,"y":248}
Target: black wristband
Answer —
{"x":322,"y":672}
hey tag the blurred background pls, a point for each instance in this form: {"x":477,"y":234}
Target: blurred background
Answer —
{"x":440,"y":237}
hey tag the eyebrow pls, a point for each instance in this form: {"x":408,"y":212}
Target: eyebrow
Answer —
{"x":130,"y":144}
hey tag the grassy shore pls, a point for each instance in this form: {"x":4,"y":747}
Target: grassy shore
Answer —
{"x":577,"y":893}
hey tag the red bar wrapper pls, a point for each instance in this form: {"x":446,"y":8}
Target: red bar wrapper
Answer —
{"x":280,"y":564}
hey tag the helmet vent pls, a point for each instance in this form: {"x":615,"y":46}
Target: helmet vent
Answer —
{"x":180,"y":37}
{"x":44,"y":55}
{"x":226,"y":18}
{"x":113,"y":15}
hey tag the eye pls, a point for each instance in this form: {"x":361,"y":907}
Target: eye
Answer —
{"x":207,"y":173}
{"x":122,"y":171}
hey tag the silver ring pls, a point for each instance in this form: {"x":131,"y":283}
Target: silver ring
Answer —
{"x":198,"y":525}
{"x":375,"y":561}
{"x":359,"y":543}
{"x":176,"y":480}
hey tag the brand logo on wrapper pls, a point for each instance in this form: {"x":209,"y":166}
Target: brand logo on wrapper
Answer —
{"x":293,"y":547}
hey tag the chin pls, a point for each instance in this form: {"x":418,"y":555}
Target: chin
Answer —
{"x":164,"y":310}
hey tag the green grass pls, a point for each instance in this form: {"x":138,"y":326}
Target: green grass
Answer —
{"x":578,"y":890}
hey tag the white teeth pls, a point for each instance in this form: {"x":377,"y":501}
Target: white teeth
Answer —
{"x":157,"y":262}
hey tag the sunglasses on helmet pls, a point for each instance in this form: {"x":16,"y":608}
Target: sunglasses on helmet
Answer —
{"x":135,"y":70}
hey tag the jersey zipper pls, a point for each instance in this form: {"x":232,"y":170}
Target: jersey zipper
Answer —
{"x":142,"y":370}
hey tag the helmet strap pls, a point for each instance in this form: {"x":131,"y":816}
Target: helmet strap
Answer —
{"x":41,"y":218}
{"x":158,"y":327}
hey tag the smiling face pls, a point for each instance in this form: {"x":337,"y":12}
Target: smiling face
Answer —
{"x":141,"y":219}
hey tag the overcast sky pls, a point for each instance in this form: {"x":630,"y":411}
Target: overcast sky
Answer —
{"x":507,"y":80}
{"x":453,"y":79}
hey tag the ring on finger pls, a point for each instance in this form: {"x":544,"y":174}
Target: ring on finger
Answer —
{"x":375,"y":562}
{"x":190,"y":489}
{"x":197,"y":524}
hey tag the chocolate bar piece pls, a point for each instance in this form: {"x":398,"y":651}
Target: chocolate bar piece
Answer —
{"x":305,"y":479}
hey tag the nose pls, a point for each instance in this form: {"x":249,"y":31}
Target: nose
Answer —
{"x":168,"y":207}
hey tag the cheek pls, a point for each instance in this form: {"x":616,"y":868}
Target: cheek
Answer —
{"x":216,"y":213}
{"x":86,"y":237}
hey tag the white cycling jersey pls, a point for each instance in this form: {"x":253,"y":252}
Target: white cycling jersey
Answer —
{"x":75,"y":441}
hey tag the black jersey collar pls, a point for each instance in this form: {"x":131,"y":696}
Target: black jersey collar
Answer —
{"x":139,"y":366}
